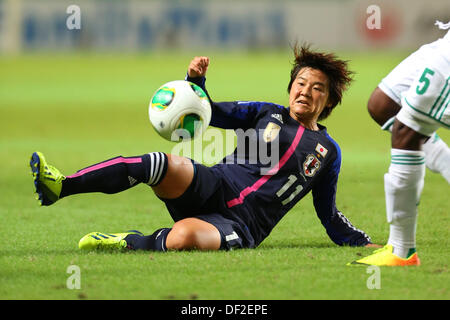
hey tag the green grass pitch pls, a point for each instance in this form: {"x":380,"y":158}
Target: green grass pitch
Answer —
{"x":85,"y":108}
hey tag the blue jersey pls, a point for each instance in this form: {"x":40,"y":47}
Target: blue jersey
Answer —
{"x":261,"y":192}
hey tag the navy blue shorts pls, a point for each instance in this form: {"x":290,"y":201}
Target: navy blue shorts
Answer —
{"x":205,"y":199}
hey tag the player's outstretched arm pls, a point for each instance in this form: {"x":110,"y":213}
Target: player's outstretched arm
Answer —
{"x":225,"y":115}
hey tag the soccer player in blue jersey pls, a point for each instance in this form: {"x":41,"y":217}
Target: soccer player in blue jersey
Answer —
{"x":237,"y":202}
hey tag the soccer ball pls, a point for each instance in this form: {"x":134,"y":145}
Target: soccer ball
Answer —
{"x":180,"y":110}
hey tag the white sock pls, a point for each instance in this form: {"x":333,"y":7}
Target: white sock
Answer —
{"x":437,"y":156}
{"x":403,"y":185}
{"x":436,"y":150}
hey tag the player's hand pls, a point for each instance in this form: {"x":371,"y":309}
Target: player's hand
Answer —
{"x":198,"y":67}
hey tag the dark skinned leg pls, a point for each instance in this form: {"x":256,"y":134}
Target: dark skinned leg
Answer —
{"x":406,"y":138}
{"x":381,"y":108}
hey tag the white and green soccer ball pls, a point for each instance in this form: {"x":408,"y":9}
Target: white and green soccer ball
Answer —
{"x":180,"y":110}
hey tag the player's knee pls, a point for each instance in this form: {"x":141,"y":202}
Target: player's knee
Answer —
{"x":179,"y":175}
{"x":186,"y":236}
{"x":182,"y":237}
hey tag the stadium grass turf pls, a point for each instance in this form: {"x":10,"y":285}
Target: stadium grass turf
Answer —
{"x":82,"y":109}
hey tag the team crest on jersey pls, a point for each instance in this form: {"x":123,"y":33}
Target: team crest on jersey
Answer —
{"x":271,"y":132}
{"x":311,"y":165}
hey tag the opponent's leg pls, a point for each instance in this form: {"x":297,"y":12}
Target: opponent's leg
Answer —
{"x":403,"y":187}
{"x":383,"y":110}
{"x":437,"y":156}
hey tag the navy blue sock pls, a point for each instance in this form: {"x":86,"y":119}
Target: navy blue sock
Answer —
{"x":117,"y":174}
{"x":154,"y":242}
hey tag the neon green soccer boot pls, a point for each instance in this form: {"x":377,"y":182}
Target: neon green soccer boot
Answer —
{"x":47,"y":179}
{"x":100,"y":240}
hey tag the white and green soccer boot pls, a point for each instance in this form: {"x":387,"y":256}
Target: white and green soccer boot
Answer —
{"x":101,"y":240}
{"x":47,"y":179}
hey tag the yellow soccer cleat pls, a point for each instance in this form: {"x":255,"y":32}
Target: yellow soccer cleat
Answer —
{"x":385,"y":257}
{"x":100,"y":240}
{"x":47,"y":179}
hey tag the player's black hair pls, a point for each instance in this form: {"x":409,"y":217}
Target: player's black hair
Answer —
{"x":339,"y":76}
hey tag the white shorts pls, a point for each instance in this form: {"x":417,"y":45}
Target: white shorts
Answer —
{"x":402,"y":76}
{"x":425,"y":105}
{"x":421,"y":85}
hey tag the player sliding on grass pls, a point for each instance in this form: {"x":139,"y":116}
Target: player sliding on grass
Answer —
{"x":421,"y":85}
{"x":231,"y":204}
